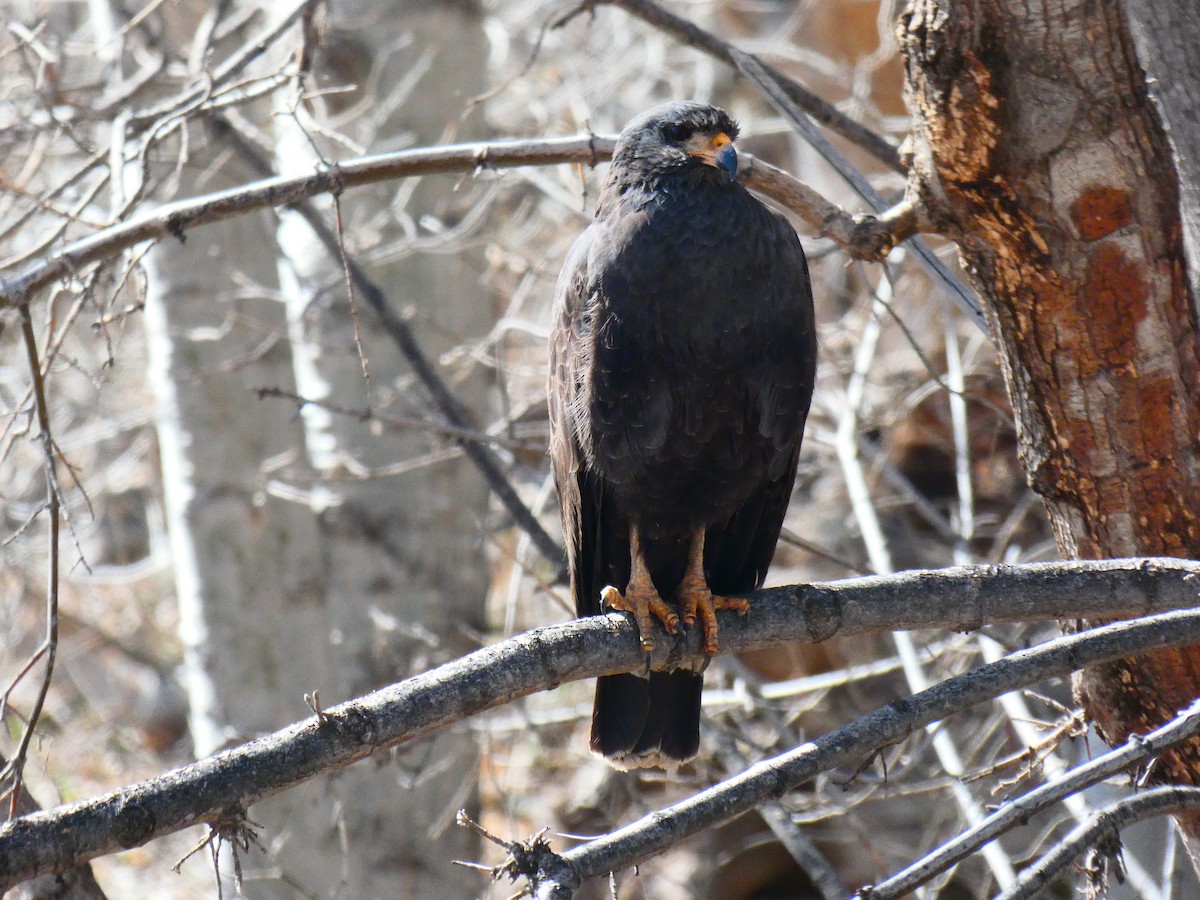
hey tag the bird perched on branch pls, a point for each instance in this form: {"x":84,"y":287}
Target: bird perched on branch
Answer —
{"x":682,"y":365}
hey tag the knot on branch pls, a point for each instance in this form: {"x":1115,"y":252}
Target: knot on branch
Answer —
{"x":332,"y":175}
{"x":872,"y":237}
{"x":548,"y":876}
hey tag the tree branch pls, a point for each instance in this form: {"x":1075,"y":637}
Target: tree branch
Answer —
{"x":855,"y":743}
{"x":1134,"y":752}
{"x":175,"y":219}
{"x":1101,"y":830}
{"x":904,"y":217}
{"x":692,"y":35}
{"x":217,"y":788}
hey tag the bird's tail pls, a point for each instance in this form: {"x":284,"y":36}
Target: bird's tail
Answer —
{"x":647,"y":721}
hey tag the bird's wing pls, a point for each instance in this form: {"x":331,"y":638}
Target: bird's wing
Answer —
{"x":597,"y":538}
{"x":782,"y":369}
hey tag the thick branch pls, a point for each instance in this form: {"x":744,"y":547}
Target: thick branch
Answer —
{"x":176,"y":219}
{"x":856,"y":742}
{"x":214,"y":789}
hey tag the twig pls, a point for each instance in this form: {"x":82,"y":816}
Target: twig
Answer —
{"x":397,"y":328}
{"x":208,"y":790}
{"x":1134,"y":752}
{"x":1102,"y":832}
{"x":819,"y":108}
{"x":401,"y":423}
{"x":48,"y":649}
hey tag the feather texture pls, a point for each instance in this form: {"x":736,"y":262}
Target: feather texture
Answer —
{"x":683,"y":358}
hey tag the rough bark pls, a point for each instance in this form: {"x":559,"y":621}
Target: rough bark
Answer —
{"x":1037,"y":147}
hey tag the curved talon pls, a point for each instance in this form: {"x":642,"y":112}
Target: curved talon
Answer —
{"x":696,"y":599}
{"x":708,"y":605}
{"x":641,"y":599}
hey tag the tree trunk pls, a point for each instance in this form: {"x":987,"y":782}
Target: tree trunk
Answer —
{"x":252,"y":615}
{"x":1039,"y":149}
{"x":403,"y":551}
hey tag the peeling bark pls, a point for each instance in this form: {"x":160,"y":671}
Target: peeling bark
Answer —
{"x":1037,"y":147}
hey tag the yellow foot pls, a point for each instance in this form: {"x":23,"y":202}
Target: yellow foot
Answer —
{"x":641,"y":599}
{"x":697,"y":600}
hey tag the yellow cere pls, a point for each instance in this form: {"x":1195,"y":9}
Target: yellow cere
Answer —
{"x":706,"y":148}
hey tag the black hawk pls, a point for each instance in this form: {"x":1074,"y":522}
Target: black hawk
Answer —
{"x":681,"y":370}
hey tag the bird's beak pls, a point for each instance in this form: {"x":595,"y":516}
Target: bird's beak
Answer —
{"x":719,"y":153}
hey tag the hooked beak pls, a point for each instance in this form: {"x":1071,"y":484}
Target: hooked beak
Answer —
{"x":720,"y":154}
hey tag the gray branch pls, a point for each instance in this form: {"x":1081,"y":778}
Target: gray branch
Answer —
{"x":855,"y":743}
{"x":1134,"y":752}
{"x":219,"y":788}
{"x":1102,"y":829}
{"x":864,"y":237}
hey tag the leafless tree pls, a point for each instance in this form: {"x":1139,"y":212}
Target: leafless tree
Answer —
{"x":273,"y":433}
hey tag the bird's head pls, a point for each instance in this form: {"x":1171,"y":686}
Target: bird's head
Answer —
{"x":678,"y":136}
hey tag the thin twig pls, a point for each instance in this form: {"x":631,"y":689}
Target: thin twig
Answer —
{"x":401,"y":423}
{"x":398,"y":329}
{"x":48,"y":649}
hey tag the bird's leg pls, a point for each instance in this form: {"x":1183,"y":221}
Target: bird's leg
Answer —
{"x":641,"y":596}
{"x":695,"y":598}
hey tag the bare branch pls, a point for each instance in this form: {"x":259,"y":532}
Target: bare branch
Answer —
{"x":1101,"y":830}
{"x":208,"y":790}
{"x":174,"y":220}
{"x":1136,"y":751}
{"x":819,"y":108}
{"x":856,"y":742}
{"x":77,"y":883}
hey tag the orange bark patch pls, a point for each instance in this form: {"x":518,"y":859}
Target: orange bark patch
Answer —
{"x":1101,"y":210}
{"x":1115,"y":293}
{"x":1167,"y":527}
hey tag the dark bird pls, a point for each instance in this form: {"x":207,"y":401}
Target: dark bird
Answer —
{"x":681,"y":370}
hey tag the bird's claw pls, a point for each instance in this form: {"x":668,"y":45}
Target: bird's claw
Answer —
{"x":697,"y":601}
{"x":645,"y":604}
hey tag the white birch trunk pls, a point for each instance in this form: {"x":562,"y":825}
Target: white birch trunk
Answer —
{"x":247,"y":568}
{"x":403,"y":553}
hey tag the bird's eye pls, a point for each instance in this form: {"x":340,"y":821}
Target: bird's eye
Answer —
{"x":676,"y":133}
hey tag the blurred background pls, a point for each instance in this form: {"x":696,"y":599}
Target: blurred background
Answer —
{"x":263,"y":498}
